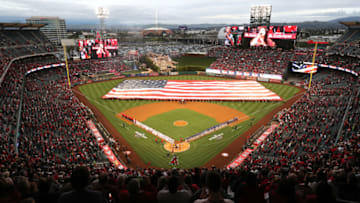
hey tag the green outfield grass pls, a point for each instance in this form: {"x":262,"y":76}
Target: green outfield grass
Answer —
{"x":197,"y":122}
{"x":194,"y":63}
{"x":201,"y":150}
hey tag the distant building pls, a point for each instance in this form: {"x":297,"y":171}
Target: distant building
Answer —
{"x":157,"y":31}
{"x":164,"y":62}
{"x":54,"y":29}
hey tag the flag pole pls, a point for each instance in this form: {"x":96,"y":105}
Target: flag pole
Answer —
{"x":313,"y":62}
{"x":67,"y":66}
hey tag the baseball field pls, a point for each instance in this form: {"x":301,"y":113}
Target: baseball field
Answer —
{"x":194,"y":63}
{"x":178,"y":121}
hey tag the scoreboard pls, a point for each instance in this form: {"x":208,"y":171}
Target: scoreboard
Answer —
{"x":261,"y":36}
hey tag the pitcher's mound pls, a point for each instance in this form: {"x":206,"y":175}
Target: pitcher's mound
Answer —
{"x":178,"y":147}
{"x":180,"y":123}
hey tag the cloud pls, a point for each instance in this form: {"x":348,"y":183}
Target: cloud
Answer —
{"x":177,"y":11}
{"x":315,"y":14}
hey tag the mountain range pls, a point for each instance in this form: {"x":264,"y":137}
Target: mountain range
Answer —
{"x":88,"y":25}
{"x":310,"y":25}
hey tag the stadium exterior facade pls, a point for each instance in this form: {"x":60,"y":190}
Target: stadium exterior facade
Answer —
{"x":54,"y":29}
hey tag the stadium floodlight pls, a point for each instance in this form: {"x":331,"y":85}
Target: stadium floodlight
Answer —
{"x":260,"y":15}
{"x":102,"y":13}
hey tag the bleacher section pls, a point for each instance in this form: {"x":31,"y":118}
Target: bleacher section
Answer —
{"x":276,"y":61}
{"x":15,"y":42}
{"x":352,"y":34}
{"x":346,"y":49}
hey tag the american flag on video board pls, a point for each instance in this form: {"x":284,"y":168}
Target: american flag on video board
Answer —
{"x":191,"y":90}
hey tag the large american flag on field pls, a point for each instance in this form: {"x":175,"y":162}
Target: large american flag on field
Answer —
{"x":191,"y":90}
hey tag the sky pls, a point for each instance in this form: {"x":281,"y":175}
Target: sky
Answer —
{"x":176,"y":11}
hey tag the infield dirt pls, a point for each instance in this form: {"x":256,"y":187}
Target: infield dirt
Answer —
{"x":218,"y":112}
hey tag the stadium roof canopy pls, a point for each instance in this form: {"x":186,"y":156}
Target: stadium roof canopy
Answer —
{"x":353,"y":24}
{"x":20,"y":25}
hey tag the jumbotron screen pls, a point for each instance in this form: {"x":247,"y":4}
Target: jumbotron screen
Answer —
{"x":98,"y":48}
{"x":233,"y":35}
{"x":269,"y":36}
{"x":261,"y":36}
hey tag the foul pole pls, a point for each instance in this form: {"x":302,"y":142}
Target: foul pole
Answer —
{"x":67,"y":66}
{"x":313,"y":62}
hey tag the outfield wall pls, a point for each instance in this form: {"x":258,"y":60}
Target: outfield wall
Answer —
{"x":106,"y":149}
{"x":244,"y":75}
{"x":245,"y":154}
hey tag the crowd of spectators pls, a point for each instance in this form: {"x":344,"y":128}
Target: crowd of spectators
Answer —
{"x":255,"y":60}
{"x":56,"y":121}
{"x":273,"y":61}
{"x":99,"y":66}
{"x":346,"y":49}
{"x":51,"y":114}
{"x":10,"y":93}
{"x":53,"y":135}
{"x":308,"y":143}
{"x":307,"y":159}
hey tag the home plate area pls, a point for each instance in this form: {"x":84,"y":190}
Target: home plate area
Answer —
{"x":178,"y":146}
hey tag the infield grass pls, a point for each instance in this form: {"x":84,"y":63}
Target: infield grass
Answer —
{"x":201,"y":150}
{"x":196,"y":122}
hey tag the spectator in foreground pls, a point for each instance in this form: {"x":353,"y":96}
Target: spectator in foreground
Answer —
{"x":213,"y":184}
{"x":248,"y":190}
{"x":80,"y":179}
{"x":324,"y":191}
{"x":173,"y":193}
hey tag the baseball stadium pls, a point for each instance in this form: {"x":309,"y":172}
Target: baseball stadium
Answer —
{"x":250,"y":112}
{"x":180,"y":119}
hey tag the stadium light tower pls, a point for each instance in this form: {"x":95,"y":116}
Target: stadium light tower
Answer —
{"x":102,"y":14}
{"x":260,"y":15}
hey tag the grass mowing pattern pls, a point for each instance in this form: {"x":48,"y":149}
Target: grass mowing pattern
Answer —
{"x":201,"y":150}
{"x":197,"y":122}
